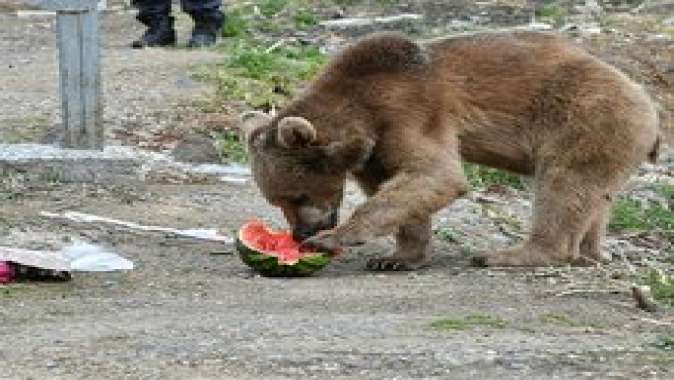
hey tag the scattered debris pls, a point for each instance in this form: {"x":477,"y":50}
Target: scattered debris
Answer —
{"x":6,"y":272}
{"x":54,"y":260}
{"x":28,"y":273}
{"x":352,"y":22}
{"x":585,"y":30}
{"x":79,"y":256}
{"x":51,"y":265}
{"x":597,"y":290}
{"x":201,"y":234}
{"x":232,"y":179}
{"x":34,"y":13}
{"x":538,"y":26}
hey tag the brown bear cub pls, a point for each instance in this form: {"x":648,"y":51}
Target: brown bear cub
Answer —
{"x":399,"y":117}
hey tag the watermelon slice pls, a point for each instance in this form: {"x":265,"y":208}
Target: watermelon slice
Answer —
{"x":276,"y":253}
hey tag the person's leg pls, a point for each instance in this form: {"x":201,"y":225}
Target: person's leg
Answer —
{"x":208,"y":19}
{"x":156,"y":15}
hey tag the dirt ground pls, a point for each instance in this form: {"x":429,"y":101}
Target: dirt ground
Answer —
{"x":187,"y":312}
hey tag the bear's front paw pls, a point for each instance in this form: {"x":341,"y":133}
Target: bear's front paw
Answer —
{"x":325,"y":241}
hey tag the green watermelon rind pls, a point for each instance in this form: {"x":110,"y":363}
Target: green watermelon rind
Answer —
{"x":269,"y":266}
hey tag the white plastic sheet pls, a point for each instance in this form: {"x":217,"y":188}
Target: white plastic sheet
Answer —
{"x":79,"y":256}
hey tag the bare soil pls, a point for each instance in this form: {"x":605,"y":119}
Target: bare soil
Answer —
{"x":186,"y":312}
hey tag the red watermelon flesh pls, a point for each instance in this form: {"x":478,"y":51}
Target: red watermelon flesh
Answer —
{"x":279,"y":244}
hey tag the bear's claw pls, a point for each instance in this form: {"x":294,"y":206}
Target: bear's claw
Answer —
{"x":387,"y":264}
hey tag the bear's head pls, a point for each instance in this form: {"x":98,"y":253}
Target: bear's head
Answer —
{"x":300,"y":170}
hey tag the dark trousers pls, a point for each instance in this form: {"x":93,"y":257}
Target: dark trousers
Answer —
{"x":148,"y":9}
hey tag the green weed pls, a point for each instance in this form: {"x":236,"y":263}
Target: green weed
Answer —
{"x":230,"y":147}
{"x":262,"y":75}
{"x":627,"y":215}
{"x":270,"y":8}
{"x":665,"y":343}
{"x":236,"y":24}
{"x":662,"y":286}
{"x":448,"y":234}
{"x":482,"y":176}
{"x":468,"y":322}
{"x":552,"y":12}
{"x":305,"y":19}
{"x":666,"y":191}
{"x":630,"y":214}
{"x":356,"y":2}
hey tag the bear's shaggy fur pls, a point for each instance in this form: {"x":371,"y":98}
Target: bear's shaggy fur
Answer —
{"x":399,"y":117}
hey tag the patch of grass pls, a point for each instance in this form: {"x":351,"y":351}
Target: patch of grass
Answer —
{"x":270,"y":8}
{"x":230,"y":147}
{"x":305,"y":19}
{"x":258,"y":62}
{"x":468,"y":322}
{"x":552,"y":12}
{"x":626,"y":215}
{"x":262,"y":75}
{"x":255,"y":63}
{"x":665,"y":343}
{"x":666,"y":191}
{"x":642,"y":23}
{"x":347,"y":2}
{"x":630,"y":214}
{"x":448,"y":234}
{"x":662,"y":286}
{"x":23,"y":130}
{"x":482,"y":176}
{"x":660,"y":218}
{"x":236,"y":24}
{"x":356,"y":2}
{"x":12,"y":7}
{"x":454,"y":236}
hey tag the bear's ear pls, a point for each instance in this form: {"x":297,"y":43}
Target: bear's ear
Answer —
{"x":295,"y":132}
{"x":350,"y":154}
{"x":251,"y":121}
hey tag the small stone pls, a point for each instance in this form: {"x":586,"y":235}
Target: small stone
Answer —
{"x":196,"y":148}
{"x":644,"y":299}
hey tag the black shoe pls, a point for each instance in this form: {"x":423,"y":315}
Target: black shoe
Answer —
{"x":206,"y":28}
{"x":159,"y":32}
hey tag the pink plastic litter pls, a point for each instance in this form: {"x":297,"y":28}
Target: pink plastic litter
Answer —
{"x":6,"y":272}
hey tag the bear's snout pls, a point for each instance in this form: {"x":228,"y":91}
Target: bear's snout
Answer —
{"x":303,"y":232}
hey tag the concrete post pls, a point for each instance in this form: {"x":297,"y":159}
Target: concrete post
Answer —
{"x":79,"y":71}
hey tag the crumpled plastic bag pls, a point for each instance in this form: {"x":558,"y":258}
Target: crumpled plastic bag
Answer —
{"x":87,"y":257}
{"x":78,"y":256}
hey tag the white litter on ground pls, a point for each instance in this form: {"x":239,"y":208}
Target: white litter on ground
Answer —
{"x":210,"y":234}
{"x":92,"y":258}
{"x":80,"y":256}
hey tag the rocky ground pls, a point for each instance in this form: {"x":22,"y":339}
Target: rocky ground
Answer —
{"x":192,"y":310}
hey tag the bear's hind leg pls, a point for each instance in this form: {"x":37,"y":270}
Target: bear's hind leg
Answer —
{"x":590,"y":246}
{"x":413,"y":244}
{"x":565,"y":211}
